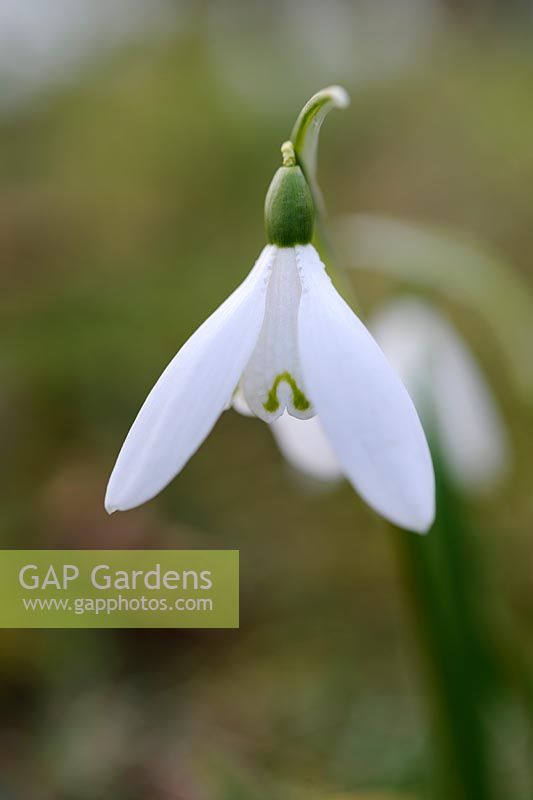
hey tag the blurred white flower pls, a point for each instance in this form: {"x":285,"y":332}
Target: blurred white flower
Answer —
{"x":449,"y":391}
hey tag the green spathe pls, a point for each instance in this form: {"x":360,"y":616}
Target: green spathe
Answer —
{"x":289,"y":209}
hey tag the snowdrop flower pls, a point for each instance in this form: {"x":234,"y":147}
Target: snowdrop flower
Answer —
{"x":449,"y":390}
{"x":285,"y":341}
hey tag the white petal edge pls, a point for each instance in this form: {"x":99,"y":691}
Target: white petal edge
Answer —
{"x":306,"y":448}
{"x":190,"y":395}
{"x":439,"y":369}
{"x":364,"y":408}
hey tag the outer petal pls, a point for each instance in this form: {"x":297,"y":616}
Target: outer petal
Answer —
{"x":190,"y":395}
{"x":363,"y":406}
{"x":305,"y":446}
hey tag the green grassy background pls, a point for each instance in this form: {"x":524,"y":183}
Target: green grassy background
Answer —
{"x":131,"y":204}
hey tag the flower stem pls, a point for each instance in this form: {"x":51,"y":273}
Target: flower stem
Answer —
{"x":441,"y":577}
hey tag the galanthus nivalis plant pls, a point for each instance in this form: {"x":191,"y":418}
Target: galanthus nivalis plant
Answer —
{"x":285,"y":341}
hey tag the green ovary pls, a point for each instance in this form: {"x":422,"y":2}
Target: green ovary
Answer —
{"x":300,"y":401}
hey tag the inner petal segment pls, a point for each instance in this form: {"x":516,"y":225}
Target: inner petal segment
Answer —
{"x":272,"y":380}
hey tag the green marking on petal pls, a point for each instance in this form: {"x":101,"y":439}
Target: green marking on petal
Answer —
{"x":300,"y":401}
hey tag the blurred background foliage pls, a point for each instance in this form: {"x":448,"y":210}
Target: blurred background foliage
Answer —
{"x":137,"y":142}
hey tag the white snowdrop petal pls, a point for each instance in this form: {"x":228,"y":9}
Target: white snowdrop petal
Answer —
{"x":364,"y":409}
{"x":306,"y":448}
{"x":272,"y":380}
{"x":190,"y":395}
{"x":447,"y":385}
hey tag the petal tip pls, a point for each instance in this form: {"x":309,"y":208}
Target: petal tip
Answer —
{"x":111,"y":503}
{"x":424,"y":528}
{"x":420,"y":523}
{"x":110,"y":507}
{"x":426,"y":517}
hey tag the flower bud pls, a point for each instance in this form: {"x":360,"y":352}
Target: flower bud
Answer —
{"x":289,"y":208}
